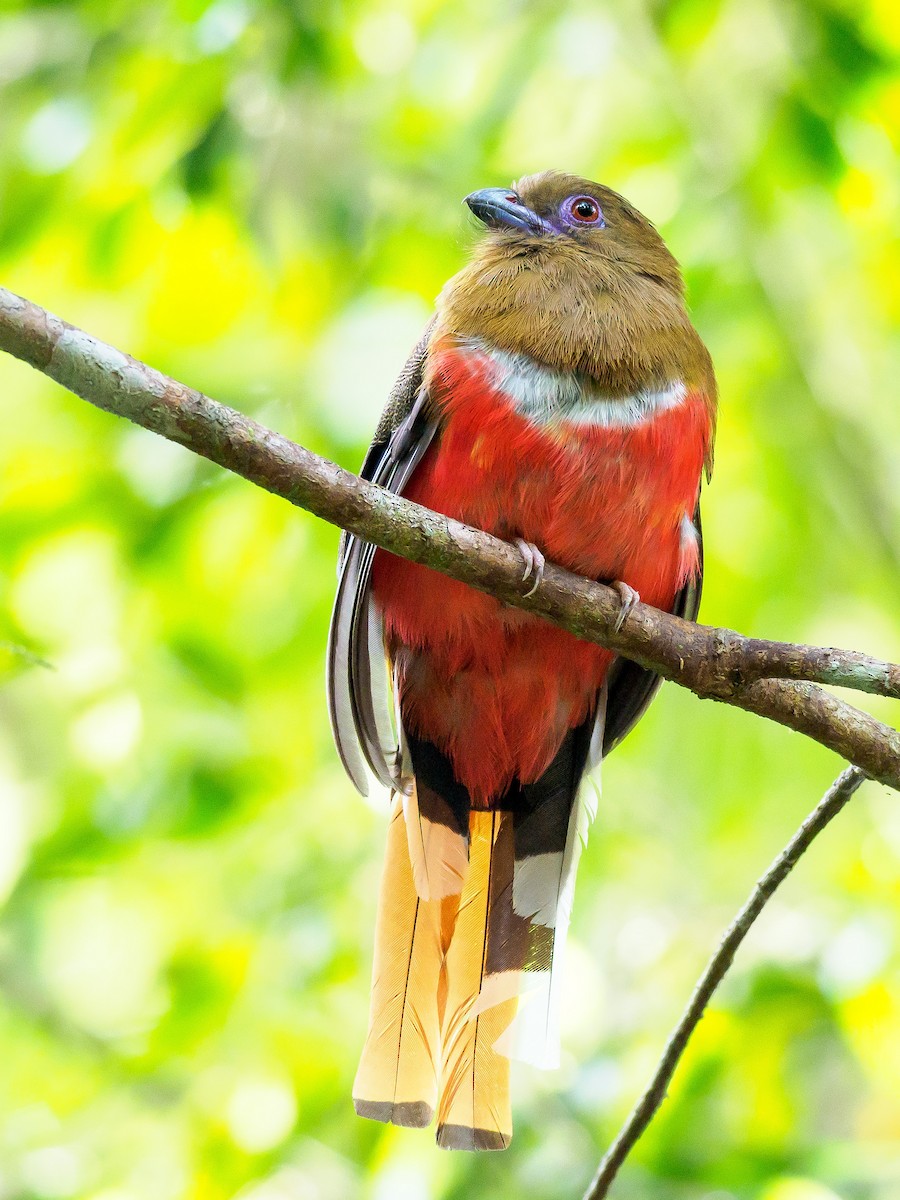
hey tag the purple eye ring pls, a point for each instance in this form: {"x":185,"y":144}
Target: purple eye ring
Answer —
{"x":584,"y":210}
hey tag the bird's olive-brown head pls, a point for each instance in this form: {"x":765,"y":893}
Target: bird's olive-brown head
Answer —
{"x":552,"y":211}
{"x":572,"y":274}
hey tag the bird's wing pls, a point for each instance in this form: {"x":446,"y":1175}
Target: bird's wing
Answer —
{"x":359,"y":697}
{"x":631,"y":688}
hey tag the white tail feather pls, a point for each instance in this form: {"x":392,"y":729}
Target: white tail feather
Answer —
{"x":543,"y":890}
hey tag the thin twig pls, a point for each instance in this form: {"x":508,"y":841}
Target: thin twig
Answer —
{"x":714,"y":663}
{"x":648,"y":1105}
{"x":29,"y":657}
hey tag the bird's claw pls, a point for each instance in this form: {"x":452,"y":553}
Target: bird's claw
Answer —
{"x":629,"y":598}
{"x":534,"y":564}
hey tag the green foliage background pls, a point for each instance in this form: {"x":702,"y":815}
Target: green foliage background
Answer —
{"x":262,"y":198}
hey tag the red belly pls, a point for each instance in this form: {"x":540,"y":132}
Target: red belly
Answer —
{"x":495,"y":688}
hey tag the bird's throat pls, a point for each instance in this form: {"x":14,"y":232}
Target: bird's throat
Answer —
{"x":619,"y":331}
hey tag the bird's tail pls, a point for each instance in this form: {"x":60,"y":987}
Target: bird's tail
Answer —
{"x":474,"y":1110}
{"x":472,"y":920}
{"x":397,"y":1079}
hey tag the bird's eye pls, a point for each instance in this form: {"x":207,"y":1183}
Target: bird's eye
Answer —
{"x":585,"y":210}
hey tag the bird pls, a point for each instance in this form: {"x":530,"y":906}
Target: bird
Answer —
{"x":560,"y":398}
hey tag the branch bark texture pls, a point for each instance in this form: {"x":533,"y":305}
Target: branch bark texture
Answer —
{"x":648,"y":1105}
{"x":772,"y":679}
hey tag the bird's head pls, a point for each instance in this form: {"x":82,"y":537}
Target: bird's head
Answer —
{"x":587,"y":225}
{"x":573,"y":275}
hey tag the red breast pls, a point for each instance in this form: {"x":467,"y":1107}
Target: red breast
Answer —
{"x":494,"y":687}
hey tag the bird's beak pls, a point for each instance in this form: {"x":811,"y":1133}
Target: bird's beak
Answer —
{"x":501,"y":208}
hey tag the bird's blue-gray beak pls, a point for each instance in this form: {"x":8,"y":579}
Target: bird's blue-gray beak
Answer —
{"x":501,"y":208}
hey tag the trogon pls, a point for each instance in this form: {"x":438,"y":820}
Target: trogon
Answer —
{"x":560,"y":398}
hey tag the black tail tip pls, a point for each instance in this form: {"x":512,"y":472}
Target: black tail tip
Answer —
{"x":464,"y":1137}
{"x":414,"y":1114}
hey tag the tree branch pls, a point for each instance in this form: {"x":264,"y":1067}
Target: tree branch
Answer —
{"x":648,"y":1105}
{"x":714,"y":663}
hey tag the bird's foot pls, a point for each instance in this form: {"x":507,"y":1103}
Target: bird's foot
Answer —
{"x":534,"y":564}
{"x":629,"y":598}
